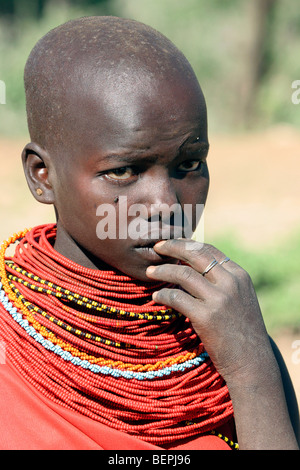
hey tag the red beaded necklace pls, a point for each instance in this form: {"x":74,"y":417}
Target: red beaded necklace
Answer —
{"x":83,"y":342}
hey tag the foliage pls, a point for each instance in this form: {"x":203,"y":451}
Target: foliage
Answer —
{"x":276,"y":277}
{"x":216,"y":37}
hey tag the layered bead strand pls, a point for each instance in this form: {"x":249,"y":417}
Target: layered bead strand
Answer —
{"x":78,"y":337}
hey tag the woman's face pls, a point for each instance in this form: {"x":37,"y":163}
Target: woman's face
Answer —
{"x":146,"y":144}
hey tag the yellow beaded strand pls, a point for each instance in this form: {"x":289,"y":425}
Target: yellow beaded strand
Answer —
{"x":86,"y":302}
{"x":232,"y":444}
{"x":20,"y":303}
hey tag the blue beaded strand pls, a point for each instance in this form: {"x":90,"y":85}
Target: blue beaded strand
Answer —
{"x":105,"y":370}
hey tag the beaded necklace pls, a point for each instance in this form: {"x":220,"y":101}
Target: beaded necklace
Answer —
{"x":78,"y":337}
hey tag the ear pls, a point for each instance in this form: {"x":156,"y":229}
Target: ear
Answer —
{"x":37,"y":167}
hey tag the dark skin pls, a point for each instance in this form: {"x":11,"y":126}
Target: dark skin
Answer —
{"x":154,"y":151}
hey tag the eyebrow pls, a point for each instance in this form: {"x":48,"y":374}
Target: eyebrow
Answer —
{"x":201,"y":145}
{"x":132,"y":156}
{"x":128,"y":158}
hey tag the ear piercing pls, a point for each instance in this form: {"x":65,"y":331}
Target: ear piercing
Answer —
{"x":39,"y":191}
{"x":116,"y":199}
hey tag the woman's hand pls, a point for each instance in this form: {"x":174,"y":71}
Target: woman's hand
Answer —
{"x":221,"y":304}
{"x":223,"y":308}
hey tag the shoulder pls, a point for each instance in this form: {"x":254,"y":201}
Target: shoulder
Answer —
{"x":289,"y":391}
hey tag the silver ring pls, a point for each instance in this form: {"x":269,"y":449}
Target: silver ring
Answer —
{"x":210,"y":266}
{"x":225,"y":260}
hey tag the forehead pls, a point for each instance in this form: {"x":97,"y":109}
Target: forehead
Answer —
{"x":135,"y":109}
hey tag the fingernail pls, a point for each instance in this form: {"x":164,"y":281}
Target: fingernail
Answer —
{"x":150,"y":269}
{"x":161,"y":243}
{"x":154,"y":295}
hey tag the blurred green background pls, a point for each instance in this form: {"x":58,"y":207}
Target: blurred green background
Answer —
{"x":246,"y":55}
{"x":245,"y":52}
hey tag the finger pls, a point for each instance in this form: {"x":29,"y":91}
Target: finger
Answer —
{"x":223,"y":260}
{"x":179,"y":301}
{"x":198,"y":255}
{"x":185,"y":276}
{"x":218,"y":254}
{"x":194,"y":253}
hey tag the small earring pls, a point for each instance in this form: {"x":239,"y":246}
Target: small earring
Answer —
{"x":39,"y":191}
{"x":116,"y":199}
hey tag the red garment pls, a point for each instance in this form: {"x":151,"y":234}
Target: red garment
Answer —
{"x":47,"y":402}
{"x":29,"y":421}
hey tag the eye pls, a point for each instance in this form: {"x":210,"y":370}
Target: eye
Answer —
{"x":122,"y":173}
{"x":189,"y":165}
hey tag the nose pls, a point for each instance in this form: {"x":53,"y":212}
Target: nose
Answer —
{"x":162,"y":214}
{"x":159,"y":192}
{"x":164,"y":211}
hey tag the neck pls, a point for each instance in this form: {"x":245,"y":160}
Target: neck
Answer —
{"x":69,"y":248}
{"x":119,"y":289}
{"x":65,"y":245}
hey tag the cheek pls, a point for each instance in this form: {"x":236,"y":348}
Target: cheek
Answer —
{"x":194,"y":190}
{"x":195,"y":197}
{"x":76,"y":203}
{"x":201,"y":191}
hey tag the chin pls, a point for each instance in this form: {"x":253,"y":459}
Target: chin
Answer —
{"x":135,"y":272}
{"x":138,"y":272}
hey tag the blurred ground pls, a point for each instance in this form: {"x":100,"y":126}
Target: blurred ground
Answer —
{"x":254,"y":194}
{"x":255,"y":190}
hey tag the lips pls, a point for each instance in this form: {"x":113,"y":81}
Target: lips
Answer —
{"x":147,"y":243}
{"x":145,"y":250}
{"x":149,"y":237}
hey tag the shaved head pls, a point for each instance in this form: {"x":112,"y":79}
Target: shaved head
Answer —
{"x":87,"y":57}
{"x":114,"y":108}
